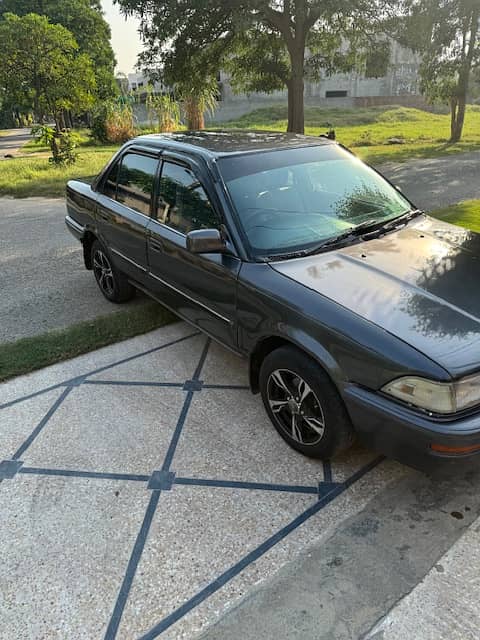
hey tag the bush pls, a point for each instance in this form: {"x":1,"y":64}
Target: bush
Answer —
{"x":113,"y":122}
{"x":62,"y":143}
{"x":99,"y":119}
{"x":119,"y":126}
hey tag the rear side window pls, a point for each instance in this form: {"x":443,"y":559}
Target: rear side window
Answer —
{"x":136,"y":178}
{"x":183,"y":203}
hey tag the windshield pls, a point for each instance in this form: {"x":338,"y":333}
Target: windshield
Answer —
{"x":293,"y":199}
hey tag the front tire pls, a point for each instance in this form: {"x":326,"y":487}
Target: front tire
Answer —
{"x":112,"y":283}
{"x":304,"y":405}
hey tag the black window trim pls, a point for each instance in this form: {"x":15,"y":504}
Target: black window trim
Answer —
{"x":186,"y":164}
{"x":117,"y":160}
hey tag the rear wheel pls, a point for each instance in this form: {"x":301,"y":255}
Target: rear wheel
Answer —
{"x":304,"y":405}
{"x":112,"y":283}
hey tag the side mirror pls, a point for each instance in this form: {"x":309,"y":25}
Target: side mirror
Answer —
{"x":206,"y":241}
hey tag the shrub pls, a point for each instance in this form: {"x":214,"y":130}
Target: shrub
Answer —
{"x":113,"y":122}
{"x":62,"y":143}
{"x":119,"y":124}
{"x":165,"y":110}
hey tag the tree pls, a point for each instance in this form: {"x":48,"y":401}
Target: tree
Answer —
{"x":446,"y":33}
{"x":263,"y":42}
{"x":84,"y":19}
{"x":40,"y":62}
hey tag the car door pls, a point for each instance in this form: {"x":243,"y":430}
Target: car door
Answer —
{"x":201,"y":288}
{"x":124,"y":207}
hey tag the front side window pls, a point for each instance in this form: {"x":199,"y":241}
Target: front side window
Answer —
{"x":294,"y":199}
{"x":183,"y":203}
{"x":135,"y":181}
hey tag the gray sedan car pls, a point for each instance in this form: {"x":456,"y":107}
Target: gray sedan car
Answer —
{"x":359,"y":314}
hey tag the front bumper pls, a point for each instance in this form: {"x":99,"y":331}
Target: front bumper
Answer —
{"x":76,"y":229}
{"x":405,"y":434}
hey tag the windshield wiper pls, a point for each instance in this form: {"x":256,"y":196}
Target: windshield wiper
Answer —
{"x":352,"y":234}
{"x":349,"y":235}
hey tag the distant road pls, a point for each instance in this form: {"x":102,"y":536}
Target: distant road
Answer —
{"x":437,"y":182}
{"x":12,"y":140}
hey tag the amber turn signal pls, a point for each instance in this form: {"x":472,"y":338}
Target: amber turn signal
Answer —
{"x":443,"y":448}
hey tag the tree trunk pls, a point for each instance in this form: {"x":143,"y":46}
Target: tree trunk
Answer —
{"x":458,"y":113}
{"x":457,"y":123}
{"x":296,"y":115}
{"x":194,"y":113}
{"x":453,"y":117}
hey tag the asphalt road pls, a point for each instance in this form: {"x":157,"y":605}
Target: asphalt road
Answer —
{"x":43,"y":282}
{"x":11,"y":143}
{"x":437,"y":182}
{"x":45,"y":286}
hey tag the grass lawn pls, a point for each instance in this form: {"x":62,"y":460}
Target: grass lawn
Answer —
{"x":36,"y":176}
{"x":29,"y":354}
{"x":465,"y":214}
{"x":365,"y":130}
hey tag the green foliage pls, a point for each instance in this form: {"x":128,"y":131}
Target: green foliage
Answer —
{"x":446,"y":33}
{"x":61,"y":143}
{"x":113,"y":121}
{"x":367,"y":130}
{"x":198,"y":95}
{"x":261,"y":42}
{"x":164,"y":110}
{"x":40,"y":64}
{"x":84,"y":19}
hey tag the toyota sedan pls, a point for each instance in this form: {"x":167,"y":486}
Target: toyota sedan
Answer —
{"x":358,"y":313}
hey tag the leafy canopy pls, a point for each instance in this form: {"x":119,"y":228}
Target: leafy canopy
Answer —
{"x":84,"y":19}
{"x":262,"y":43}
{"x":40,"y":62}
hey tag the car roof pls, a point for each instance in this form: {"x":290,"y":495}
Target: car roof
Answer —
{"x":228,"y":142}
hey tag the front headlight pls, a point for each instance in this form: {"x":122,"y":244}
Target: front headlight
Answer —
{"x":439,"y":397}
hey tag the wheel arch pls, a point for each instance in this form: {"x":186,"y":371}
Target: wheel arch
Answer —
{"x":87,"y":242}
{"x":300,"y":341}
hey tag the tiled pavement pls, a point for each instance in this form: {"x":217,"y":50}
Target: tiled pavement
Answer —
{"x":143,"y":490}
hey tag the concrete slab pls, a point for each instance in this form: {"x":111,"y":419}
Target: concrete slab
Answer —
{"x":65,"y":544}
{"x":152,"y":456}
{"x":445,"y":603}
{"x":339,"y":587}
{"x":110,"y":429}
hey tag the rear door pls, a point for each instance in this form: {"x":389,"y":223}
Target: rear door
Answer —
{"x":201,"y":288}
{"x":124,"y":206}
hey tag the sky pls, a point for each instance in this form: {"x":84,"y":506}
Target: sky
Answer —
{"x":126,"y":41}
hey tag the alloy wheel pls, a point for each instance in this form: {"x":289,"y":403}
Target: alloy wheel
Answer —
{"x":103,"y":272}
{"x":295,"y":407}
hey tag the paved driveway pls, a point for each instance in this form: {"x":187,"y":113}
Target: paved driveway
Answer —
{"x":143,"y":491}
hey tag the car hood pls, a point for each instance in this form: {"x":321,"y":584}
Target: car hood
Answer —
{"x":421,"y":284}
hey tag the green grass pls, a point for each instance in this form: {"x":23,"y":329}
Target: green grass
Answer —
{"x":367,"y":130}
{"x":29,"y":354}
{"x":36,"y":176}
{"x":465,"y":214}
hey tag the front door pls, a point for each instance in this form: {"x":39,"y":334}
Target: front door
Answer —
{"x":201,"y":288}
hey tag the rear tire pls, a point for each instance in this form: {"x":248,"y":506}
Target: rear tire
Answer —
{"x":112,"y":283}
{"x":304,"y":404}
